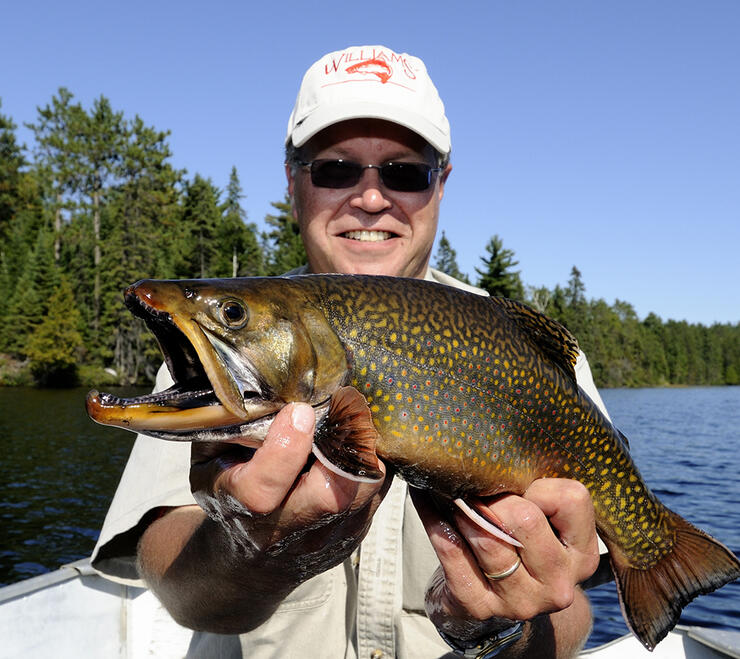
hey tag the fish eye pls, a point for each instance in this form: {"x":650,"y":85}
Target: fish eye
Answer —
{"x":233,"y":314}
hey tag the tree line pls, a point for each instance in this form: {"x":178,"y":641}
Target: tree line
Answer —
{"x":623,"y":351}
{"x":95,"y":204}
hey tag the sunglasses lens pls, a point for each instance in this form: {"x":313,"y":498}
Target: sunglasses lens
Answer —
{"x":335,"y":173}
{"x":406,"y":176}
{"x":398,"y":176}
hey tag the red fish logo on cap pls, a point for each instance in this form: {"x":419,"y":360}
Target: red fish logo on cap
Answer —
{"x":373,"y":67}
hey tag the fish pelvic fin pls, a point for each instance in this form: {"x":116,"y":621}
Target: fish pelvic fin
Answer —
{"x":486,"y":520}
{"x":345,"y":441}
{"x":652,"y":599}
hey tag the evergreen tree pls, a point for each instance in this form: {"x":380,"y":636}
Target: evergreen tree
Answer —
{"x":29,"y":303}
{"x":11,"y":163}
{"x":576,"y":315}
{"x":56,"y":133}
{"x":283,"y":245}
{"x":101,"y":146}
{"x":575,"y":294}
{"x":53,"y":346}
{"x":80,"y":155}
{"x":445,"y":260}
{"x":497,"y":277}
{"x":198,"y":228}
{"x":239,"y":252}
{"x":140,"y":217}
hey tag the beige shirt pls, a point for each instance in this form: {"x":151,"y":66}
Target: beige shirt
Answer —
{"x":369,"y":607}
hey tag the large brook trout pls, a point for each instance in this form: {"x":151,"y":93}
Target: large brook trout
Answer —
{"x":464,"y":395}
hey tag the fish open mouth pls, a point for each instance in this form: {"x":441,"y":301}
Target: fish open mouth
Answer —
{"x":216,"y":394}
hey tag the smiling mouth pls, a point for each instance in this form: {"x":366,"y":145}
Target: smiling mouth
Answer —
{"x":368,"y":236}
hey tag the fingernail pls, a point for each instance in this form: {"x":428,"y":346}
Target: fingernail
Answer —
{"x":302,"y":417}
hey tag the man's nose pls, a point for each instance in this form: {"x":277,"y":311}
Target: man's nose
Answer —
{"x":368,"y":194}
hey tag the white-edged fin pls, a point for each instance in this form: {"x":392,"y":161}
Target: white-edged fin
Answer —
{"x":481,"y":521}
{"x":341,"y":472}
{"x":237,"y":367}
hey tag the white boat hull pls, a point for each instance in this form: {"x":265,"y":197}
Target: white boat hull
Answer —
{"x":73,"y":613}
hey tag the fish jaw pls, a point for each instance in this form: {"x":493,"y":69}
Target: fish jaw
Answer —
{"x":216,"y":393}
{"x":226,"y":377}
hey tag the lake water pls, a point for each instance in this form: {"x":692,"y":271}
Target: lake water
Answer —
{"x":59,"y":470}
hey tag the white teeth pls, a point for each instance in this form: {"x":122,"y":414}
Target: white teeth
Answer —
{"x":368,"y":236}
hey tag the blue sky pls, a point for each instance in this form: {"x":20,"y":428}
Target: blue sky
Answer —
{"x":601,"y":135}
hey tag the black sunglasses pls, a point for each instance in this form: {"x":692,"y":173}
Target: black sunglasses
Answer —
{"x":398,"y":176}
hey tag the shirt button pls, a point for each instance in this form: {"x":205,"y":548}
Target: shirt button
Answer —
{"x":377,"y":654}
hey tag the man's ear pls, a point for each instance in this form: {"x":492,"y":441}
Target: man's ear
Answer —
{"x":443,"y":179}
{"x":291,"y":188}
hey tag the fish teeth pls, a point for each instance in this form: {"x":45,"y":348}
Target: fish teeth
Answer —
{"x":368,"y":236}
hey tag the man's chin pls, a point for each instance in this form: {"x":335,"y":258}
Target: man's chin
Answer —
{"x":381,"y":267}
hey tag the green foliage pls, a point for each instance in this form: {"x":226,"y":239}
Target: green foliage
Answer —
{"x":197,"y":229}
{"x":283,"y":246}
{"x":29,"y":302}
{"x":11,"y":163}
{"x":99,"y":205}
{"x":497,"y":277}
{"x":445,"y":260}
{"x":626,"y":352}
{"x":53,"y":346}
{"x":238,"y":253}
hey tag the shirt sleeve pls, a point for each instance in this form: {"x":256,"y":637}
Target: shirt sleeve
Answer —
{"x":585,"y":381}
{"x":156,"y":475}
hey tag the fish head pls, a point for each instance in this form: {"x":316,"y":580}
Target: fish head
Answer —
{"x":238,"y":350}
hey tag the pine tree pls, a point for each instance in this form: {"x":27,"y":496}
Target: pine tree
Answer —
{"x":140,"y":216}
{"x":575,"y":294}
{"x":445,"y":260}
{"x":497,"y":277}
{"x":57,"y":131}
{"x":198,"y":228}
{"x":80,"y":155}
{"x":283,"y":245}
{"x":53,"y":346}
{"x":11,"y":163}
{"x":29,"y":302}
{"x":239,"y":253}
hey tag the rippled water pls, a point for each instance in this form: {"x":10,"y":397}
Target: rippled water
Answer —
{"x":58,"y":472}
{"x":686,"y":443}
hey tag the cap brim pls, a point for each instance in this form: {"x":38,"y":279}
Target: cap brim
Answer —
{"x":328,"y":116}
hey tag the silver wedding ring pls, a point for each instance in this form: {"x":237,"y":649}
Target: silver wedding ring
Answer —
{"x":506,"y":573}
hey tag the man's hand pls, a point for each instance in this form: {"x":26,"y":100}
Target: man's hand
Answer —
{"x":272,"y":523}
{"x":554,"y":520}
{"x":275,"y":506}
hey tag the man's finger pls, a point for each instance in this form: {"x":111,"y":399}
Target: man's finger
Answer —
{"x":262,"y":483}
{"x":568,"y":507}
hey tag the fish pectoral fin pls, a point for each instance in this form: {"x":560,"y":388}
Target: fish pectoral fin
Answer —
{"x":652,"y":597}
{"x":345,"y":441}
{"x":487,"y":521}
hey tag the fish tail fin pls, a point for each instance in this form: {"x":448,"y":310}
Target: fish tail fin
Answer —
{"x":345,"y":442}
{"x":652,"y":599}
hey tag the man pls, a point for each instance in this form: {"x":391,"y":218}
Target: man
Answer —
{"x":299,"y":560}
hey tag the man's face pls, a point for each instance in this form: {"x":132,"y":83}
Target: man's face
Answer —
{"x":367,"y":229}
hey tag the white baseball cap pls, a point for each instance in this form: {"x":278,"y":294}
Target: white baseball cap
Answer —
{"x":370,"y":82}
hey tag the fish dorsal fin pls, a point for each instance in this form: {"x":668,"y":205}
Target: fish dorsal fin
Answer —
{"x":549,"y":335}
{"x":345,"y":441}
